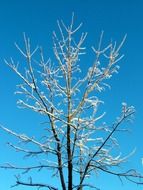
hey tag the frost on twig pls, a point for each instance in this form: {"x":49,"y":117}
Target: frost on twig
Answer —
{"x":76,"y":143}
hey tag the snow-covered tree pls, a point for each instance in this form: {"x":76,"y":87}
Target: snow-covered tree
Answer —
{"x":71,"y":148}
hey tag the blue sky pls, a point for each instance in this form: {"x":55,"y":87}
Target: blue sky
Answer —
{"x":38,"y":19}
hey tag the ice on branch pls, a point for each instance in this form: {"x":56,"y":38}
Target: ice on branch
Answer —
{"x":76,"y":143}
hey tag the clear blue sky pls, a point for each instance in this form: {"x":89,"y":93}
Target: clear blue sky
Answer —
{"x":38,"y":19}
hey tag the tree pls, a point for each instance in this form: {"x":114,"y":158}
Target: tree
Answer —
{"x":71,"y":145}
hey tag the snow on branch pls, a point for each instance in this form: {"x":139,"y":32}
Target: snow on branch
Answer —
{"x":77,"y":140}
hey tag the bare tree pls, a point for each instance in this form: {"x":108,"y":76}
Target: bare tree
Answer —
{"x":70,"y":103}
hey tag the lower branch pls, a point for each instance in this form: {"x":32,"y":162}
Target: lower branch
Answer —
{"x":31,"y":184}
{"x":131,"y":175}
{"x":126,"y":113}
{"x":28,"y":168}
